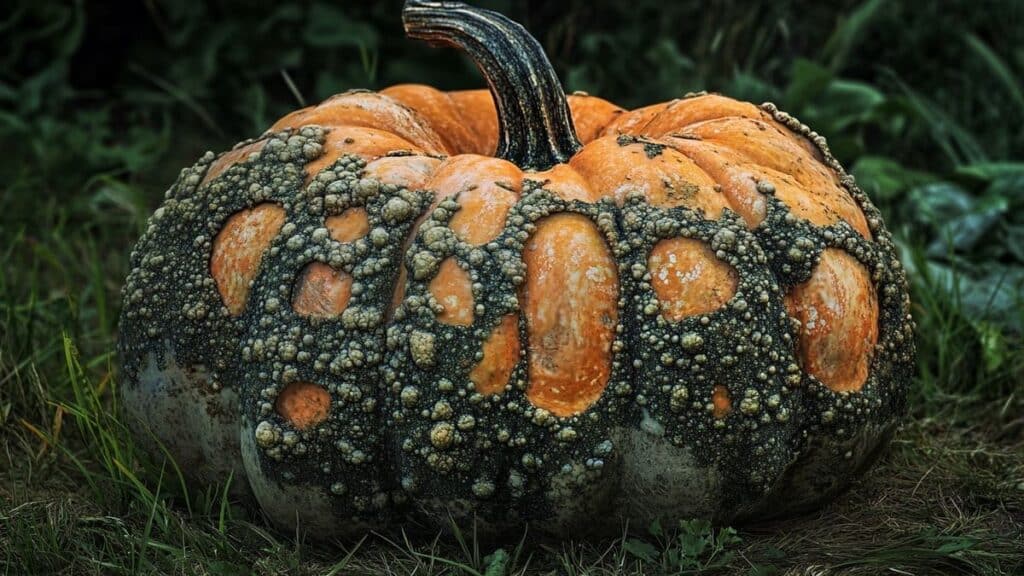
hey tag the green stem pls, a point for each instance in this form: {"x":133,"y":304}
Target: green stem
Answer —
{"x":535,"y":129}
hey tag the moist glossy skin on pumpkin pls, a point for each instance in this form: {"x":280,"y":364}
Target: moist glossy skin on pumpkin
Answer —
{"x":507,"y":334}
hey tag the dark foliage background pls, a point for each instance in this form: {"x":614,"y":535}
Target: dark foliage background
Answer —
{"x":101,"y":103}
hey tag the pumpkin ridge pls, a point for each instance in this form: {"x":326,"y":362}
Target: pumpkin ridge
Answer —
{"x":371,"y":110}
{"x":822,"y":187}
{"x":443,"y":116}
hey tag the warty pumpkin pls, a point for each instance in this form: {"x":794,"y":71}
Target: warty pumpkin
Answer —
{"x":518,"y":307}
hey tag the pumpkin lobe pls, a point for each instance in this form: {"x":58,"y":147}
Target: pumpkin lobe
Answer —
{"x":838,"y":313}
{"x":238,"y":250}
{"x":501,"y":353}
{"x":569,"y":300}
{"x":688,"y":279}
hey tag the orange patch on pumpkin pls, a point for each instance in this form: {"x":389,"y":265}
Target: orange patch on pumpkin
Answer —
{"x":303,"y":404}
{"x":569,"y":300}
{"x":349,"y":226}
{"x":591,"y":114}
{"x":688,"y":279}
{"x":439,"y":111}
{"x":566,"y":183}
{"x":485,"y":188}
{"x":321,"y":292}
{"x":501,"y":353}
{"x":477,"y":110}
{"x":229,"y":159}
{"x":453,"y":289}
{"x":370,"y":110}
{"x":238,"y":250}
{"x":367,"y":143}
{"x":838,"y":313}
{"x":410,"y":172}
{"x":721,"y":401}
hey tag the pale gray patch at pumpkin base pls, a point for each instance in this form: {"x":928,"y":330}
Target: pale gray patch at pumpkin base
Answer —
{"x":660,"y":480}
{"x":306,"y":507}
{"x":822,"y":471}
{"x":578,"y":496}
{"x":178,"y":409}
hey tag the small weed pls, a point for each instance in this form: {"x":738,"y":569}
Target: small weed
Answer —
{"x":695,"y":547}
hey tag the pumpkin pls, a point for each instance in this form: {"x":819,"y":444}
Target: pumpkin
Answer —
{"x":517,"y":306}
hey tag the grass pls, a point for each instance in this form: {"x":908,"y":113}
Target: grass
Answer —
{"x":87,"y":156}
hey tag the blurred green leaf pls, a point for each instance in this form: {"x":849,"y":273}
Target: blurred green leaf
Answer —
{"x":845,"y":102}
{"x":886,"y":179}
{"x":935,"y":203}
{"x":993,"y":345}
{"x":641,"y":549}
{"x":748,"y":87}
{"x":1014,"y":241}
{"x":962,"y":231}
{"x":999,"y":68}
{"x":807,"y":81}
{"x":330,"y":27}
{"x":987,"y":171}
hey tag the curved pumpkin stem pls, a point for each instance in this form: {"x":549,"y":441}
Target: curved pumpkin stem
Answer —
{"x":535,"y":129}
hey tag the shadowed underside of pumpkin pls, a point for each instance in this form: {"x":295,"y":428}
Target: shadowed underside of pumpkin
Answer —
{"x":687,"y":309}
